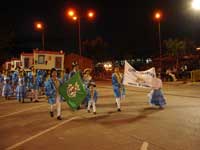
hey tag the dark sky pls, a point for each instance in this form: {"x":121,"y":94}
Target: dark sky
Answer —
{"x":125,"y":25}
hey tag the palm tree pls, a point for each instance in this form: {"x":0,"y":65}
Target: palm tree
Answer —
{"x":175,"y":48}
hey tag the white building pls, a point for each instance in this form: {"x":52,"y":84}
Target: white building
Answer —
{"x":27,"y":60}
{"x":15,"y":63}
{"x":46,"y":60}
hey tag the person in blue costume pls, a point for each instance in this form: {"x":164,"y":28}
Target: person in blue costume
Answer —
{"x":21,"y":88}
{"x":156,"y":95}
{"x":15,"y":75}
{"x":92,"y":96}
{"x":7,"y":89}
{"x":52,"y":92}
{"x":34,"y":85}
{"x":87,"y":78}
{"x":1,"y":82}
{"x":30,"y":76}
{"x":66,"y":75}
{"x":118,"y":87}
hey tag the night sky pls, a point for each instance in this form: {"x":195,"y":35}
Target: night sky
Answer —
{"x":124,"y":25}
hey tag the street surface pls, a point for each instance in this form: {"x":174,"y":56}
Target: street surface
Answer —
{"x":28,"y":126}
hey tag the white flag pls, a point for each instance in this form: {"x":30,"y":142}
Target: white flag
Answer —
{"x":136,"y":78}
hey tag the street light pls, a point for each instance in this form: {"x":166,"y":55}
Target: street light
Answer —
{"x":196,"y":4}
{"x":40,"y":26}
{"x":77,"y":17}
{"x":158,"y":17}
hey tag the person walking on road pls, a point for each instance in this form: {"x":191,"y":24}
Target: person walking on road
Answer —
{"x":52,"y":92}
{"x":156,"y":95}
{"x":118,"y":87}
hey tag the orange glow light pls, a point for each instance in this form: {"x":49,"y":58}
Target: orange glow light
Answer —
{"x":74,"y":18}
{"x":90,"y":14}
{"x":39,"y":25}
{"x":71,"y":13}
{"x":158,"y":15}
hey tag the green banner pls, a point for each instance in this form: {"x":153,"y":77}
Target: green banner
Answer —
{"x":73,"y":91}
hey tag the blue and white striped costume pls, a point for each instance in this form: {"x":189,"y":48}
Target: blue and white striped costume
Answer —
{"x":50,"y":91}
{"x":7,"y":90}
{"x":39,"y":78}
{"x":21,"y":89}
{"x":29,"y":80}
{"x":89,"y":95}
{"x":118,"y":87}
{"x":15,"y":78}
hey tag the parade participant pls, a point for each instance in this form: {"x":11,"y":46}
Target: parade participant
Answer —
{"x":7,"y":90}
{"x":92,"y":96}
{"x":15,"y":75}
{"x":87,"y":78}
{"x":156,"y":95}
{"x":30,"y":76}
{"x":118,"y":87}
{"x":52,"y":92}
{"x":75,"y":68}
{"x":21,"y":88}
{"x":66,"y":75}
{"x":33,"y":85}
{"x":1,"y":82}
{"x":39,"y":81}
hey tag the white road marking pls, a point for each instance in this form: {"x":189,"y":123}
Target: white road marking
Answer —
{"x":41,"y":133}
{"x":144,"y":146}
{"x":14,"y":113}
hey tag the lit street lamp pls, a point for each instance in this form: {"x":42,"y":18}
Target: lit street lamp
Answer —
{"x":40,"y":26}
{"x":158,"y":17}
{"x":196,"y":4}
{"x":76,"y":17}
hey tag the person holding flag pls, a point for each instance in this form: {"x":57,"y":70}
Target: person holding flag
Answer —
{"x":52,"y":92}
{"x":118,"y":87}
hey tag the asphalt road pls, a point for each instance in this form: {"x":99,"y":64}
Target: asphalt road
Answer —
{"x":139,"y":126}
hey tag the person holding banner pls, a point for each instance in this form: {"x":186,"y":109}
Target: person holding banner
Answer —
{"x":118,"y":87}
{"x":52,"y":92}
{"x":156,"y":95}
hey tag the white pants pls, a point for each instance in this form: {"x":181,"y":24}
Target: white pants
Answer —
{"x":92,"y":102}
{"x":118,"y":102}
{"x":58,"y":104}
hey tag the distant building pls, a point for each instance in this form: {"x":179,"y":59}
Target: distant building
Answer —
{"x":27,"y":60}
{"x":84,"y":62}
{"x":7,"y":65}
{"x":46,"y":60}
{"x":15,"y":63}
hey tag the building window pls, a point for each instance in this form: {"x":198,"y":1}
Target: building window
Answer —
{"x":17,"y":64}
{"x":58,"y":62}
{"x":41,"y":59}
{"x":26,"y":62}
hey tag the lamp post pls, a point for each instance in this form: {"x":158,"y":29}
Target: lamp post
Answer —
{"x":77,"y":17}
{"x":158,"y":17}
{"x":40,"y":26}
{"x":196,"y":4}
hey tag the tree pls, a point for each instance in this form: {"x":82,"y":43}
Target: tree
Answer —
{"x":175,"y":48}
{"x":96,"y":49}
